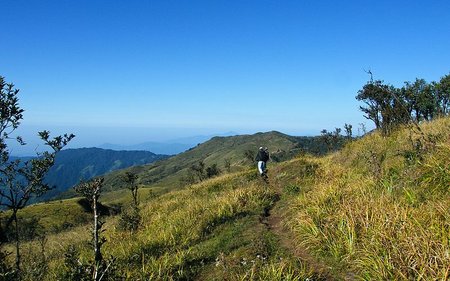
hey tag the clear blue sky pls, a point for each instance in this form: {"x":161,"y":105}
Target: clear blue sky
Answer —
{"x":166,"y":69}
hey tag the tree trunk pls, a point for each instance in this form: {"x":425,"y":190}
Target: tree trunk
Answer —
{"x":16,"y":234}
{"x":97,"y":252}
{"x":135,"y":199}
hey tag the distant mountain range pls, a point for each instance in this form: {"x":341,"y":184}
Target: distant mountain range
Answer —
{"x":73,"y":165}
{"x":170,"y":147}
{"x":156,"y":147}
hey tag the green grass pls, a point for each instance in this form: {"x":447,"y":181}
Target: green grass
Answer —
{"x":377,"y":210}
{"x":381,"y":217}
{"x":169,"y":172}
{"x":211,"y":230}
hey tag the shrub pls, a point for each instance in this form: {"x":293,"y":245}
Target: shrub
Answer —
{"x":129,"y":220}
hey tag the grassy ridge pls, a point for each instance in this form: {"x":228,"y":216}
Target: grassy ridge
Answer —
{"x":376,"y":210}
{"x":379,"y":208}
{"x":168,"y":173}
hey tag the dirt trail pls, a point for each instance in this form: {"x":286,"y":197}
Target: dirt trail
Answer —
{"x":272,"y":219}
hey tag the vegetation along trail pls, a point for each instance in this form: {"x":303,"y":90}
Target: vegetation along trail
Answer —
{"x":273,"y":219}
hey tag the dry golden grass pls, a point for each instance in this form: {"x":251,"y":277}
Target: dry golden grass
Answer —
{"x":378,"y":213}
{"x":377,"y":210}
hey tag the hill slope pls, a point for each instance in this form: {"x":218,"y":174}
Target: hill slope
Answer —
{"x":377,"y":210}
{"x":73,"y":165}
{"x":170,"y":172}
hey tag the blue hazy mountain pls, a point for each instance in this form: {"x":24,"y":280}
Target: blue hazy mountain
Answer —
{"x":73,"y":165}
{"x":169,"y":147}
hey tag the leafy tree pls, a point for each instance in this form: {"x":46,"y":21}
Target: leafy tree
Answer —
{"x":412,"y":97}
{"x":227,"y":164}
{"x":326,"y":138}
{"x":199,"y":170}
{"x":20,"y":181}
{"x":383,"y":105}
{"x":443,"y":95}
{"x":388,"y":106}
{"x":130,"y":218}
{"x":420,"y":100}
{"x":212,"y":171}
{"x":348,"y":131}
{"x":362,"y":129}
{"x":130,"y":179}
{"x":249,"y":156}
{"x":371,"y":95}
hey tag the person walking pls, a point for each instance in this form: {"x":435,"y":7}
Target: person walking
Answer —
{"x":261,"y":158}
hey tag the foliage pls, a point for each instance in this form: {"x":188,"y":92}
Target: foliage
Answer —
{"x":333,"y":140}
{"x":388,"y":106}
{"x":91,"y":191}
{"x":212,"y":171}
{"x":227,"y":164}
{"x":249,"y":156}
{"x":199,"y":172}
{"x":129,"y":219}
{"x":6,"y":271}
{"x":74,"y":270}
{"x":130,"y":180}
{"x":20,"y":181}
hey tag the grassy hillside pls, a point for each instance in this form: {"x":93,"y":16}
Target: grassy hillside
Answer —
{"x":377,"y":210}
{"x":168,"y":173}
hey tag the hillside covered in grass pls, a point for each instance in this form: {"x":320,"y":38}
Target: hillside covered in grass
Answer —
{"x":376,"y":210}
{"x":170,"y":174}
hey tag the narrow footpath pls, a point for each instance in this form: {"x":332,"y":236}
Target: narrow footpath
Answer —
{"x":272,"y":218}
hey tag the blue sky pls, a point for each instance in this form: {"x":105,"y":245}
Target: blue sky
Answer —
{"x":131,"y":71}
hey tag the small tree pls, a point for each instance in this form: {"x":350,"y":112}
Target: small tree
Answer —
{"x":327,"y":138}
{"x":212,"y":171}
{"x":91,"y":191}
{"x":348,"y":131}
{"x":130,"y":217}
{"x":443,"y":95}
{"x":227,"y":165}
{"x":130,"y":180}
{"x":199,"y":170}
{"x":249,"y":157}
{"x":20,"y":181}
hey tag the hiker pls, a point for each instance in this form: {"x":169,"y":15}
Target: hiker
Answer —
{"x":261,"y":158}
